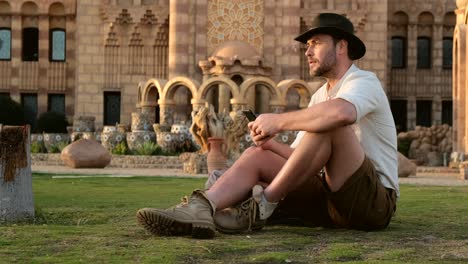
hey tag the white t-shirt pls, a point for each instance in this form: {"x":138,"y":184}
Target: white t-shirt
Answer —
{"x":374,"y":126}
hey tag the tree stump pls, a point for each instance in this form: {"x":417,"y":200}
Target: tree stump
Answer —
{"x":16,"y":196}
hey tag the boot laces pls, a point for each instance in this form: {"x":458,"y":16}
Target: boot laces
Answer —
{"x":183,"y":201}
{"x":248,"y":208}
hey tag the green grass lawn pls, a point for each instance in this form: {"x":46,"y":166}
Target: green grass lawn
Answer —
{"x":85,"y":220}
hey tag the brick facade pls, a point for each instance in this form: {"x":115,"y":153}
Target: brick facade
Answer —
{"x":132,"y":49}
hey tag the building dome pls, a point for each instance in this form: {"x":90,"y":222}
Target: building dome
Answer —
{"x":235,"y":49}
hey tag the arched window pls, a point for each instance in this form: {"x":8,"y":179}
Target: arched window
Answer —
{"x":30,"y":44}
{"x":57,"y":42}
{"x":398,"y":52}
{"x":424,"y":53}
{"x":5,"y":44}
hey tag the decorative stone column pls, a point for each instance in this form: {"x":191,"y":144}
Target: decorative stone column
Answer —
{"x":264,"y":99}
{"x":223,"y":99}
{"x":150,"y":111}
{"x":167,"y":113}
{"x":251,"y":98}
{"x":237,"y":105}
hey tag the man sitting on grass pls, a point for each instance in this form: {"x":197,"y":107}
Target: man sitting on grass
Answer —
{"x":341,"y":171}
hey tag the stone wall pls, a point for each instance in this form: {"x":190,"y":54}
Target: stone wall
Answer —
{"x":118,"y":161}
{"x":428,"y":145}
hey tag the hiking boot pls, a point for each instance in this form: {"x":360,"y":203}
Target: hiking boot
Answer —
{"x":243,"y":217}
{"x":194,"y":216}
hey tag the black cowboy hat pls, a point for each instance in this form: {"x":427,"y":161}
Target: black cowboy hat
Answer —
{"x":337,"y":26}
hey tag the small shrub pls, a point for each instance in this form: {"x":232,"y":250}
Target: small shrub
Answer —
{"x":57,"y":148}
{"x":52,"y":122}
{"x":37,"y":147}
{"x":11,"y":112}
{"x":148,"y":148}
{"x":120,"y":149}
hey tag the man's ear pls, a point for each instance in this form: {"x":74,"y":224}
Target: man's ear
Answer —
{"x":343,"y":47}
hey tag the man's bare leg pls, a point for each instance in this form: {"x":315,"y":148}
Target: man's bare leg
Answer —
{"x":255,"y":165}
{"x":339,"y":151}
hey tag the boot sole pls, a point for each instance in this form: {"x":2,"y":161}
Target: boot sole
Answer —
{"x":160,"y":224}
{"x":238,"y":231}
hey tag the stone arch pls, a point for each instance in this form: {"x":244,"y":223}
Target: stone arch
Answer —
{"x":425,"y":18}
{"x":29,"y":8}
{"x":425,"y":23}
{"x":5,"y":7}
{"x":448,"y":24}
{"x":57,"y":9}
{"x":269,"y":83}
{"x":149,"y":89}
{"x":218,"y":80}
{"x":171,"y":86}
{"x":57,"y":20}
{"x":399,"y":24}
{"x":304,"y":90}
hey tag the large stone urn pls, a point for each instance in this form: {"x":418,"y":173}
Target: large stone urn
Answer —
{"x":216,"y":158}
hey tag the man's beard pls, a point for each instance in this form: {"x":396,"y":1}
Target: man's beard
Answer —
{"x":327,"y":65}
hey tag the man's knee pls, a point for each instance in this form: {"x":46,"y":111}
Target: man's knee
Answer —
{"x":253,"y":150}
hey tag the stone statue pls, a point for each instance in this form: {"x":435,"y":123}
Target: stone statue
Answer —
{"x":235,"y":129}
{"x":206,"y":123}
{"x":199,"y":128}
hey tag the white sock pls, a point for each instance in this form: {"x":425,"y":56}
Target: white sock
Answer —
{"x":266,"y":208}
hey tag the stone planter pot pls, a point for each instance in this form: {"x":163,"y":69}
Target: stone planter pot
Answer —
{"x":122,"y":128}
{"x":55,"y":142}
{"x":110,"y":138}
{"x":137,"y":138}
{"x":83,"y":124}
{"x":167,"y":141}
{"x":180,"y":129}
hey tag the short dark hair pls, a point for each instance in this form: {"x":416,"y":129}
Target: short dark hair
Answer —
{"x":336,"y":38}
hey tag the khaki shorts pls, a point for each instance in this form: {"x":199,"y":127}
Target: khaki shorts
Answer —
{"x":361,"y":203}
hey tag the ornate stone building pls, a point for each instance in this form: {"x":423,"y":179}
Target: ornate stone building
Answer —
{"x":109,"y":58}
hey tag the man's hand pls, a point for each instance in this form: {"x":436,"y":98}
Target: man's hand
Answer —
{"x":260,"y":141}
{"x":264,"y":128}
